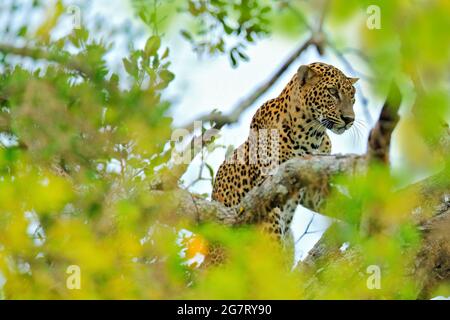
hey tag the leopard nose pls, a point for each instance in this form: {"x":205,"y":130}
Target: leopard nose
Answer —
{"x":347,"y":119}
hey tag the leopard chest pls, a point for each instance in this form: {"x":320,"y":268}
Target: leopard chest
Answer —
{"x":299,"y":137}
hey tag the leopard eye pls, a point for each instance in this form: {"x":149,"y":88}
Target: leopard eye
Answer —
{"x":334,"y":92}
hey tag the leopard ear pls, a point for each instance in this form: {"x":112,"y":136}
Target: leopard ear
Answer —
{"x":305,"y":74}
{"x":352,"y":80}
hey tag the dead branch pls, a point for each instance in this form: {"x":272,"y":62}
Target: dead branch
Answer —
{"x":220,"y":120}
{"x":317,"y":39}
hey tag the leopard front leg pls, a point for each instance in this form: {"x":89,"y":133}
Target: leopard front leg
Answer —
{"x":278,"y":225}
{"x":325,"y":146}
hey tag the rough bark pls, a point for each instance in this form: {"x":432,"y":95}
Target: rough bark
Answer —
{"x":380,"y":136}
{"x":312,"y":173}
{"x":432,"y":264}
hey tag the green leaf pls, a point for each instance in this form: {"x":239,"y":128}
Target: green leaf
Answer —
{"x":152,"y":45}
{"x":167,"y":76}
{"x":130,"y":68}
{"x":143,"y":15}
{"x":233,"y":59}
{"x":186,"y":35}
{"x":227,"y":29}
{"x":114,"y":79}
{"x":243,"y":56}
{"x":165,"y":54}
{"x":22,"y":31}
{"x":79,"y":37}
{"x":265,"y":10}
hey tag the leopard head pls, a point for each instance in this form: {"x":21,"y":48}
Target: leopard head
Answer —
{"x":328,"y":95}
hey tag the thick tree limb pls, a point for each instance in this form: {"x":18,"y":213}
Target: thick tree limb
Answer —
{"x":432,"y":191}
{"x":312,"y":173}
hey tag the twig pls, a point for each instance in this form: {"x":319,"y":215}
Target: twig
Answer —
{"x":340,"y":55}
{"x":350,"y":67}
{"x":313,"y":215}
{"x":323,"y":13}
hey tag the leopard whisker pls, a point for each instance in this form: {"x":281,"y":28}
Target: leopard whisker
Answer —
{"x":353,"y":135}
{"x":359,"y":134}
{"x":332,"y":120}
{"x":315,"y":125}
{"x":361,"y":123}
{"x":359,"y":130}
{"x":328,"y":124}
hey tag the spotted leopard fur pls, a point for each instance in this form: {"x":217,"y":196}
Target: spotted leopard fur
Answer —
{"x":318,"y":97}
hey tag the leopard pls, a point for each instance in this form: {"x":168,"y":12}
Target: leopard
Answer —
{"x":318,"y":97}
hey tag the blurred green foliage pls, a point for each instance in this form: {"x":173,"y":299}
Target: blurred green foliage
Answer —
{"x":227,"y":26}
{"x":86,"y":142}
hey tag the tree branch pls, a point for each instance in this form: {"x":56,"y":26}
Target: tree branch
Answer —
{"x":380,"y":135}
{"x":220,"y":120}
{"x":311,"y":173}
{"x":316,"y":39}
{"x":40,"y":54}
